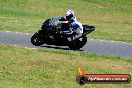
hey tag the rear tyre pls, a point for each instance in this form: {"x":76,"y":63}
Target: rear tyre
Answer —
{"x":82,"y":41}
{"x":37,"y":39}
{"x":77,"y":44}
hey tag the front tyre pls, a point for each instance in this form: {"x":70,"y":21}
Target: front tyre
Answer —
{"x":37,"y":40}
{"x":77,"y":44}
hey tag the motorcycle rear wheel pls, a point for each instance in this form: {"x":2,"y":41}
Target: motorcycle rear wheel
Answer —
{"x":77,"y":44}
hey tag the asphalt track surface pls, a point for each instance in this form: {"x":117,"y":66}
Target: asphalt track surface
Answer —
{"x":100,"y":47}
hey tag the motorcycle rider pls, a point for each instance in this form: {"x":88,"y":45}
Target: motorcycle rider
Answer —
{"x":75,"y":29}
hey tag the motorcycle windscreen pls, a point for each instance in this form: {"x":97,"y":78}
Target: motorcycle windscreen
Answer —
{"x":54,"y":21}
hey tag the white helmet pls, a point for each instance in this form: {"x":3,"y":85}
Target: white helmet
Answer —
{"x":69,"y":14}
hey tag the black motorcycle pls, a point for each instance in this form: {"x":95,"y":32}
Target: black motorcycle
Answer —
{"x":48,"y":34}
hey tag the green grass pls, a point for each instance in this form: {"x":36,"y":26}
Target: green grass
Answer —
{"x":112,"y":18}
{"x":37,"y":68}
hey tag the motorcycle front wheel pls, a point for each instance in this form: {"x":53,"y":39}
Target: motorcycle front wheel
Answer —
{"x":37,"y":39}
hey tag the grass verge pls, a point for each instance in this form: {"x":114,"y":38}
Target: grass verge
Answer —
{"x":45,"y":68}
{"x":112,"y":18}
